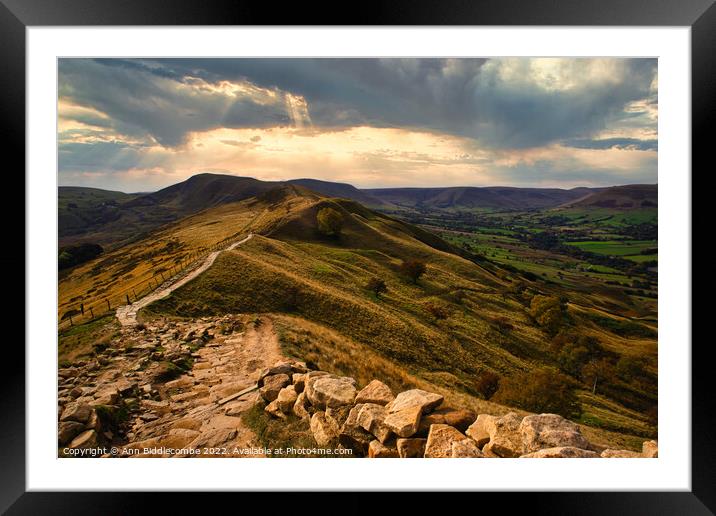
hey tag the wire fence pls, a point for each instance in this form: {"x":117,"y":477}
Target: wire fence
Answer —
{"x":84,"y":312}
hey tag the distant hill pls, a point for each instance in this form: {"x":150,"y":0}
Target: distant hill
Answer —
{"x":498,"y":197}
{"x":621,"y":197}
{"x":90,"y":215}
{"x":340,"y":190}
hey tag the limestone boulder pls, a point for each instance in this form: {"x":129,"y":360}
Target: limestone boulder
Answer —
{"x":561,"y":452}
{"x":427,"y":401}
{"x":324,"y":432}
{"x":299,"y":381}
{"x":620,"y":454}
{"x":76,"y":411}
{"x":405,"y":422}
{"x":467,"y":448}
{"x":332,"y":392}
{"x":479,"y":430}
{"x":273,"y":409}
{"x":550,"y":431}
{"x":272,"y":385}
{"x":87,"y":439}
{"x":378,"y":450}
{"x":286,"y":399}
{"x":277,"y":369}
{"x":411,"y":448}
{"x":505,"y":438}
{"x":650,"y":449}
{"x":301,"y":406}
{"x":459,"y":418}
{"x":375,"y":392}
{"x":372,"y":419}
{"x":310,"y":378}
{"x":68,"y":430}
{"x":440,"y":439}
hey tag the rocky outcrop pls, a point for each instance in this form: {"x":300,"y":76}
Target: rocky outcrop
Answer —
{"x":374,"y":423}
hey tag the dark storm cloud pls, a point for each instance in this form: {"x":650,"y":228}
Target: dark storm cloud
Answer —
{"x":612,"y":143}
{"x":79,"y":157}
{"x":464,"y":97}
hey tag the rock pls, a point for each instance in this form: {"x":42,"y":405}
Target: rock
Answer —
{"x":355,"y":438}
{"x":93,"y":423}
{"x":467,"y":448}
{"x":650,"y":449}
{"x":309,"y":379}
{"x":505,"y":438}
{"x":378,"y":450}
{"x":371,"y":418}
{"x":107,"y":397}
{"x":68,"y":430}
{"x":478,"y":431}
{"x":179,"y":383}
{"x":338,"y":415}
{"x":352,"y":419}
{"x":427,"y":401}
{"x":299,"y":367}
{"x":274,"y":409}
{"x":427,"y":421}
{"x":286,"y":398}
{"x":620,"y":454}
{"x":87,"y":439}
{"x":76,"y":411}
{"x":332,"y":392}
{"x":411,"y":448}
{"x":561,"y":452}
{"x":76,"y":392}
{"x":272,"y":385}
{"x":404,"y":423}
{"x":375,"y":392}
{"x":550,"y":431}
{"x":126,"y":388}
{"x":324,"y":432}
{"x":160,"y":407}
{"x":299,"y":382}
{"x":301,"y":406}
{"x":279,"y":368}
{"x":459,"y":418}
{"x":187,"y":422}
{"x":440,"y":439}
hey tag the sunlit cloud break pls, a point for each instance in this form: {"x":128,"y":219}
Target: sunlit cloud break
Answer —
{"x":141,"y":124}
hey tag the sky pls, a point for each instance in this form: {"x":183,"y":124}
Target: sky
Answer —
{"x":138,"y":125}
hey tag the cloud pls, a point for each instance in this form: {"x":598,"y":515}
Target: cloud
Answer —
{"x":612,"y":143}
{"x":366,"y":121}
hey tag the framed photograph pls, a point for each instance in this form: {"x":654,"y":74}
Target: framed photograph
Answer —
{"x":262,"y":254}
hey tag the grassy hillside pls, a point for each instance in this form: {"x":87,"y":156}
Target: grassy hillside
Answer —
{"x":459,"y":322}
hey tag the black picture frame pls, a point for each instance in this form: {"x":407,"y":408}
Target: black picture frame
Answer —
{"x":17,"y":15}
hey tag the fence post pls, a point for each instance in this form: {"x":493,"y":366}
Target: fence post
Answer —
{"x":128,"y":301}
{"x":91,"y":312}
{"x":82,"y":308}
{"x":135,"y":294}
{"x":71,"y":323}
{"x":109,"y":308}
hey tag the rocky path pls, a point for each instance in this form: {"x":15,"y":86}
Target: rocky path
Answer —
{"x":170,"y":389}
{"x":127,"y":314}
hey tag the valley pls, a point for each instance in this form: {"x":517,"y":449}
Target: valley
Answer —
{"x":516,"y":285}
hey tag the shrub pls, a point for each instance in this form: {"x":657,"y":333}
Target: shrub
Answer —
{"x":502,"y":324}
{"x":330,"y":221}
{"x":487,"y":384}
{"x":413,"y":269}
{"x":377,"y":286}
{"x":439,"y":312}
{"x":550,"y":312}
{"x":543,"y":390}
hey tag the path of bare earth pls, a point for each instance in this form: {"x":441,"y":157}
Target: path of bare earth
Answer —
{"x":127,"y":314}
{"x":197,"y":413}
